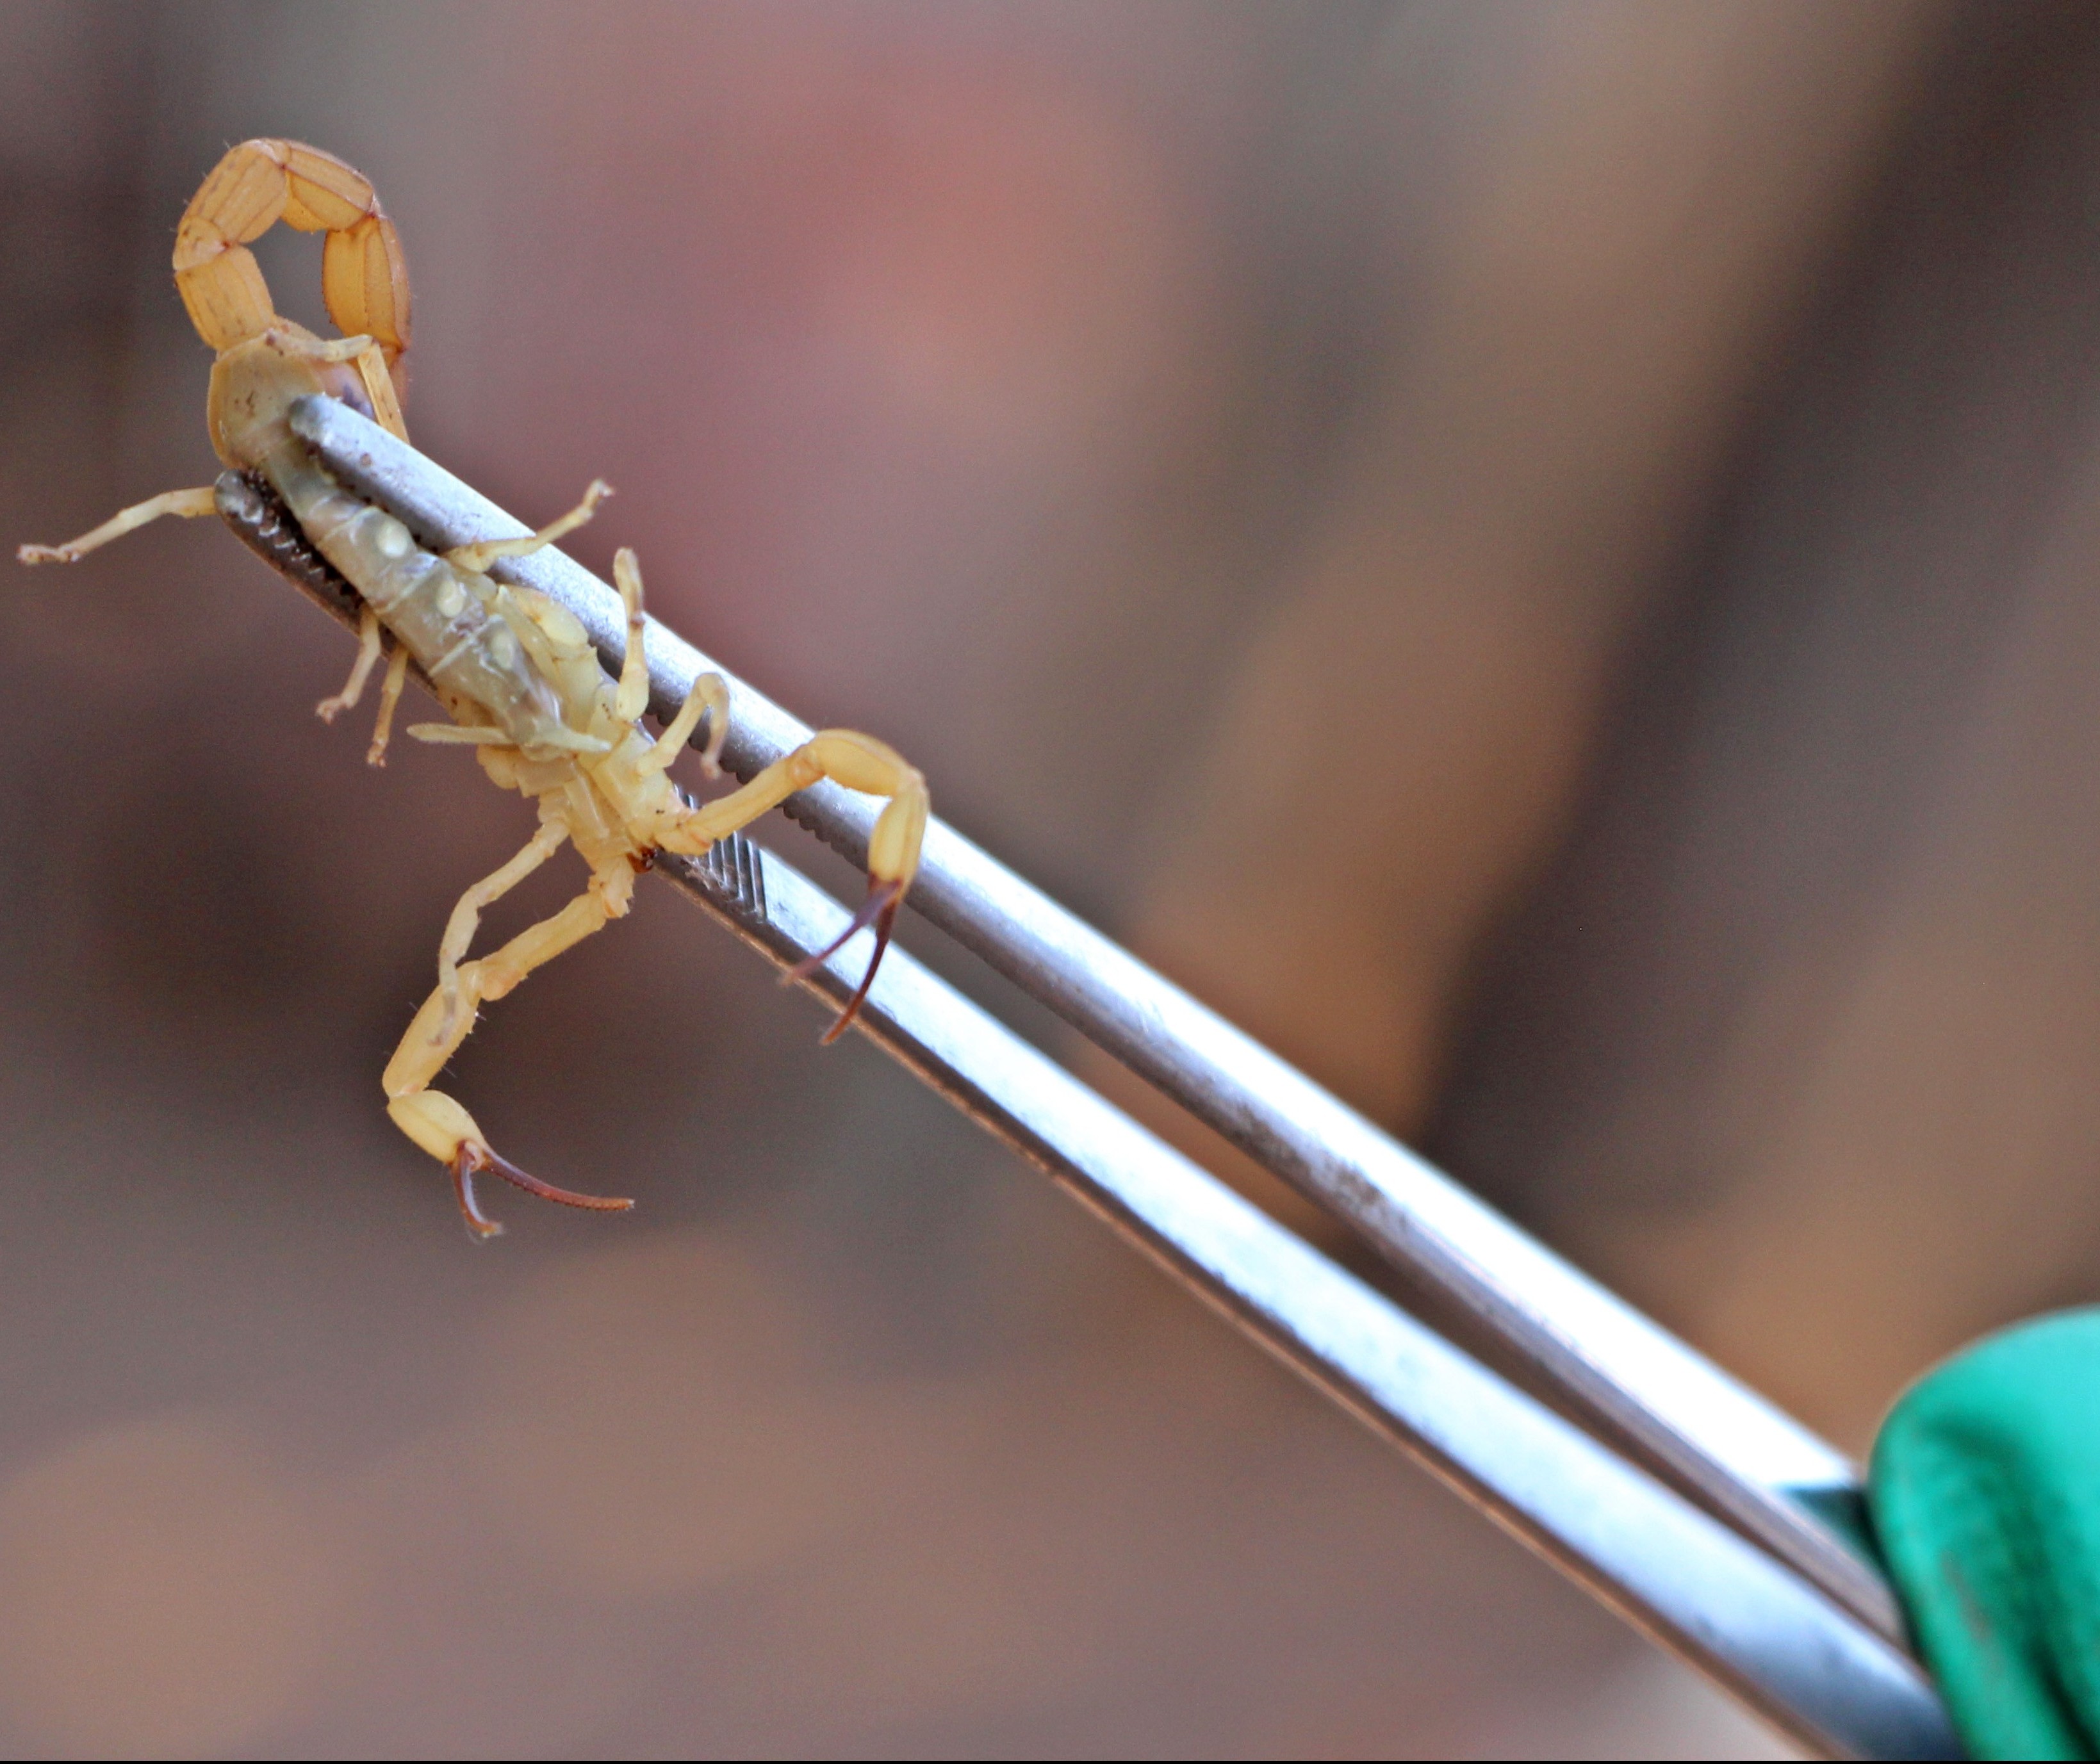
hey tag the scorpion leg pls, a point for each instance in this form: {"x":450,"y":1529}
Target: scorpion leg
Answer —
{"x":859,"y":762}
{"x":466,"y":917}
{"x":369,"y":638}
{"x":188,"y":504}
{"x":389,"y":695}
{"x":434,"y":1120}
{"x":461,"y":735}
{"x":476,"y":557}
{"x":708,"y":695}
{"x":360,"y":670}
{"x":631,"y":699}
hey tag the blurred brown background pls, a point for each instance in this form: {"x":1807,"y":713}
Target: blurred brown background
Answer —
{"x":1543,"y":557}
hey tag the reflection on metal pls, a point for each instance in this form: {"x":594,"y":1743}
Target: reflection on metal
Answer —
{"x":1721,"y":1566}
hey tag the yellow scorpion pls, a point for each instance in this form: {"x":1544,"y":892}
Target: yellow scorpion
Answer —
{"x":516,"y":672}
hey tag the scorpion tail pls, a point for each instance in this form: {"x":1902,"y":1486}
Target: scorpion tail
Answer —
{"x":880,"y":910}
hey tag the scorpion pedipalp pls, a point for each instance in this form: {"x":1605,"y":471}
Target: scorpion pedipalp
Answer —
{"x":880,"y":910}
{"x":446,"y":1131}
{"x":472,"y":1158}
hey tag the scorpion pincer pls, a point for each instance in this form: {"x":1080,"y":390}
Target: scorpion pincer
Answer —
{"x":516,"y":672}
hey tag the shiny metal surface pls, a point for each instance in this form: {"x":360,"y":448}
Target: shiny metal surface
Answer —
{"x":1698,"y":1587}
{"x":1567,"y":1337}
{"x":1701,"y":1589}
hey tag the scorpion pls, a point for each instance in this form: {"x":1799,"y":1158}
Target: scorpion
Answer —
{"x":516,"y":671}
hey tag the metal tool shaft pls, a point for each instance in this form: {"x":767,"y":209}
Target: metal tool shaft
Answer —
{"x":1728,"y":1448}
{"x":1699,"y":1588}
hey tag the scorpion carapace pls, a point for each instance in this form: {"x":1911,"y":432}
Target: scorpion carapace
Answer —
{"x":516,"y":671}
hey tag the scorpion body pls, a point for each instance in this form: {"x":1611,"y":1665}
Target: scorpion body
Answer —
{"x":517,"y":673}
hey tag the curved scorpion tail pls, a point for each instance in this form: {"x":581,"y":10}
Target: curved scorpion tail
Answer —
{"x":364,"y":276}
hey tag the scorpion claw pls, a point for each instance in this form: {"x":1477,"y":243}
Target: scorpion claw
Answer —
{"x":879,"y":909}
{"x":464,"y":1165}
{"x":473,"y":1158}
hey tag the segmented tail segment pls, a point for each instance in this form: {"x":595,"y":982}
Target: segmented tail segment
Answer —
{"x":364,"y":276}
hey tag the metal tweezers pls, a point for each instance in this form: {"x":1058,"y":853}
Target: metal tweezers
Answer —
{"x":1706,"y":1517}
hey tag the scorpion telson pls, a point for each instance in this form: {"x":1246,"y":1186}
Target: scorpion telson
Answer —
{"x":516,"y":673}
